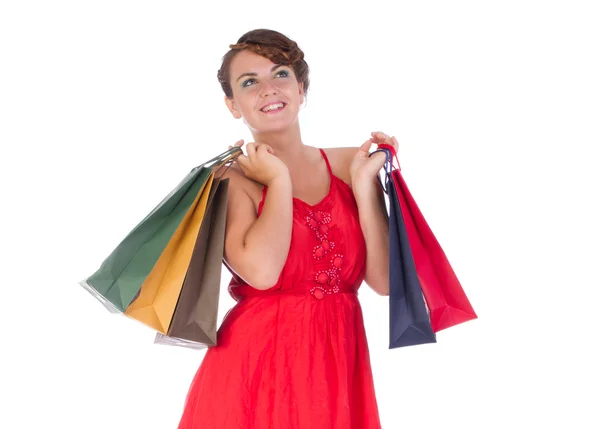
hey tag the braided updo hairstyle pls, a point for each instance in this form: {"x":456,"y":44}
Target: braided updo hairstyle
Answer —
{"x":269,"y":44}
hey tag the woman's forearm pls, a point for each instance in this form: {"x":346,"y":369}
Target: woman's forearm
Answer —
{"x":267,"y":242}
{"x":375,"y":227}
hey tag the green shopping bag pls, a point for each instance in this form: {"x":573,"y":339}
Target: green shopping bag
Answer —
{"x":118,"y":280}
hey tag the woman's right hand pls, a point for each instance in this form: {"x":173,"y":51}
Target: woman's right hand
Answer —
{"x":260,"y":164}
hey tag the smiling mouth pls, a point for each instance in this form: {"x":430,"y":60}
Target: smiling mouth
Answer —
{"x":273,"y":108}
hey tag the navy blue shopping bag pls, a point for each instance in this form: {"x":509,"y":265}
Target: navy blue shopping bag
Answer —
{"x":409,"y":318}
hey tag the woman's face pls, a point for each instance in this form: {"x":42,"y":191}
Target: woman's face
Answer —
{"x":258,"y":83}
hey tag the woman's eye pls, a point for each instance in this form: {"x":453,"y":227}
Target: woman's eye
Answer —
{"x":284,"y":73}
{"x":246,"y":81}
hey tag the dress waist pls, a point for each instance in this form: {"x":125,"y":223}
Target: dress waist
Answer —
{"x":241,"y":291}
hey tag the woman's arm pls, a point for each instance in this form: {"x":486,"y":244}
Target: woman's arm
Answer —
{"x":375,"y":227}
{"x":359,"y":170}
{"x":256,"y":248}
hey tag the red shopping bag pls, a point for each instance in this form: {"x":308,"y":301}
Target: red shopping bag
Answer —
{"x":447,"y":302}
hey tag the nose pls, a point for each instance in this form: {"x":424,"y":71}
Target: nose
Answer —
{"x":267,"y":89}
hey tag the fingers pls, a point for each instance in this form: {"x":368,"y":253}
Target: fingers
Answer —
{"x":379,"y":137}
{"x":366,"y":146}
{"x":265,"y":148}
{"x":239,"y":143}
{"x":251,"y":148}
{"x":251,"y":151}
{"x":243,"y":161}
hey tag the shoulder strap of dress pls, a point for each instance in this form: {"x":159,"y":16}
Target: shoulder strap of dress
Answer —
{"x":262,"y":200}
{"x":326,"y":161}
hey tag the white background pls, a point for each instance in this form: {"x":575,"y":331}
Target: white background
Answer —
{"x":105,"y":106}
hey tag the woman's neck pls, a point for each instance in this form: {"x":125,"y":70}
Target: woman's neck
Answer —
{"x":287,"y":144}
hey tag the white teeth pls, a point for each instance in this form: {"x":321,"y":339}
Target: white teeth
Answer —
{"x":272,"y":107}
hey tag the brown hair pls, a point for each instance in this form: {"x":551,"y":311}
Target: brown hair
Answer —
{"x":269,"y":44}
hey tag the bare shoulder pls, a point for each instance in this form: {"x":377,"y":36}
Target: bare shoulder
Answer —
{"x":242,"y":187}
{"x":235,"y":175}
{"x":340,"y":159}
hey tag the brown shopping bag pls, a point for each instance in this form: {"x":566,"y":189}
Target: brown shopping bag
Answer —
{"x":194,"y":323}
{"x":158,"y":296}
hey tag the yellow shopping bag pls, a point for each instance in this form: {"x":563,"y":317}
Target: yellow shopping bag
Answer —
{"x":159,"y":293}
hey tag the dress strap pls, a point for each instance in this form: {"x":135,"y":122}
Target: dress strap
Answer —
{"x":326,"y":162}
{"x":262,"y":200}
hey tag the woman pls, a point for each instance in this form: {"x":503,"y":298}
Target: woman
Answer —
{"x":305,"y":227}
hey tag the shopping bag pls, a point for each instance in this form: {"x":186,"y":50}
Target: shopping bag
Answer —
{"x":194,"y":323}
{"x":409,"y":319}
{"x":160,"y":291}
{"x":119,"y":279}
{"x":447,"y":302}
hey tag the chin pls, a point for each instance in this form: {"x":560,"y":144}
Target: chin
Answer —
{"x":274,"y":127}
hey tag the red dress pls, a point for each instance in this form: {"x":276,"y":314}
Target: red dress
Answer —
{"x":295,"y":356}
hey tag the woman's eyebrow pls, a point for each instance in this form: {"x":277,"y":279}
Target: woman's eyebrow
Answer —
{"x":276,"y":66}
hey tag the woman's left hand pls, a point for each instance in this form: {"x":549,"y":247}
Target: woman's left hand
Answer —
{"x":364,"y":168}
